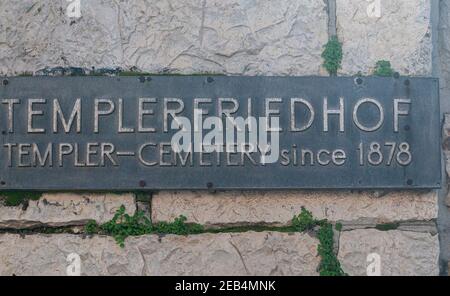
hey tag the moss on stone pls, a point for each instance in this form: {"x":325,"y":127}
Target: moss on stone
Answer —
{"x":387,"y":226}
{"x":16,"y":198}
{"x":383,"y":69}
{"x":123,"y":226}
{"x":332,"y":55}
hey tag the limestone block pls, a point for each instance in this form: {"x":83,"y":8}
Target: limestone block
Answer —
{"x":401,"y":253}
{"x":278,"y":208}
{"x":252,"y":37}
{"x":444,"y":51}
{"x":249,"y":253}
{"x":66,"y":210}
{"x":400,"y":33}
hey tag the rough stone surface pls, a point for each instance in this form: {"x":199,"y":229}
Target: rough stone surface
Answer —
{"x":402,"y":35}
{"x":447,"y":200}
{"x":443,"y":65}
{"x":245,"y":37}
{"x":279,"y":207}
{"x":402,"y":253}
{"x":418,"y":226}
{"x":446,"y":149}
{"x":444,"y":53}
{"x":222,"y":254}
{"x":446,"y":140}
{"x":66,"y":210}
{"x":216,"y":36}
{"x":425,"y":227}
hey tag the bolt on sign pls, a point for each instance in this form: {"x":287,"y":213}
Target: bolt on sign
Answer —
{"x":194,"y":132}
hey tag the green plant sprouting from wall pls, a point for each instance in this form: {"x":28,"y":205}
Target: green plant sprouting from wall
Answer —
{"x":123,"y":225}
{"x":329,"y":265}
{"x":387,"y":226}
{"x":304,"y":221}
{"x":383,"y":69}
{"x":332,"y":55}
{"x":17,"y":198}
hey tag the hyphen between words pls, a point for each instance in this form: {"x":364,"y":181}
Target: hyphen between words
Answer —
{"x":202,"y":126}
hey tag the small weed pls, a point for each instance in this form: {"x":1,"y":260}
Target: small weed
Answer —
{"x":332,"y":55}
{"x":91,"y":227}
{"x":123,"y":225}
{"x":329,"y":265}
{"x":383,"y":69}
{"x":387,"y":226}
{"x":304,"y":221}
{"x":17,"y":198}
{"x":179,"y":227}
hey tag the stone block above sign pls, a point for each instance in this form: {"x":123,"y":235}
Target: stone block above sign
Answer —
{"x":238,"y":37}
{"x":397,"y":31}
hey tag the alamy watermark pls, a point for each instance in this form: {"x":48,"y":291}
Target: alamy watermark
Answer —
{"x":237,"y":135}
{"x":74,"y":267}
{"x":373,"y":265}
{"x":73,"y":9}
{"x":374,"y":8}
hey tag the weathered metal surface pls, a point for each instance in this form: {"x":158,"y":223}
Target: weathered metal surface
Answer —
{"x":37,"y":153}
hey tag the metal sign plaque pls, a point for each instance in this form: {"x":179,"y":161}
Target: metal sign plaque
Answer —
{"x":118,"y":133}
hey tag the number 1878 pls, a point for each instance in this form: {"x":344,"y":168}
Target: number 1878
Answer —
{"x":376,"y":154}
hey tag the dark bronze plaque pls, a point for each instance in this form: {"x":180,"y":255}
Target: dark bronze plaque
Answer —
{"x":115,"y":133}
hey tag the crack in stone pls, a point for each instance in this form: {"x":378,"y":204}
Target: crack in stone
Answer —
{"x":202,"y":25}
{"x":240,"y":255}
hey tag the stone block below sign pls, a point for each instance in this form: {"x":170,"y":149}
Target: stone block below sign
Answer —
{"x":278,"y":208}
{"x":244,"y":254}
{"x":66,"y":209}
{"x":399,"y":253}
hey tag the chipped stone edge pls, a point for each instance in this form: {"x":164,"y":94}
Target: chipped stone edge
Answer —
{"x":72,"y":225}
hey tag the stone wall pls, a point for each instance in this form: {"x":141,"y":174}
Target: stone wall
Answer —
{"x":233,"y":37}
{"x":252,"y":37}
{"x":442,"y":66}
